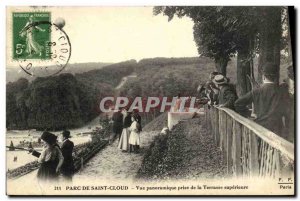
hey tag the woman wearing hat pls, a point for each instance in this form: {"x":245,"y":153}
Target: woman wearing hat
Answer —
{"x":51,"y":158}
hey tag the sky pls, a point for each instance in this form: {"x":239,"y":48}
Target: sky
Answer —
{"x":114,"y":34}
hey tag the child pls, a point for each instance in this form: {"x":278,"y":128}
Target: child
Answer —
{"x":134,"y":139}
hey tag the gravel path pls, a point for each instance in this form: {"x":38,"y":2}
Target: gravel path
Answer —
{"x":113,"y":164}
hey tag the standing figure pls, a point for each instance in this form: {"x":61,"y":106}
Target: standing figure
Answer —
{"x":51,"y":158}
{"x":211,"y":92}
{"x":117,"y":119}
{"x":138,"y":116}
{"x":134,"y":140}
{"x":267,"y":101}
{"x":288,"y":99}
{"x":227,"y":96}
{"x":67,"y":169}
{"x":124,"y":139}
{"x":32,"y":46}
{"x":178,"y":104}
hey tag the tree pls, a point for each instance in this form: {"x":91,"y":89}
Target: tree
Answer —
{"x":223,"y":32}
{"x":290,"y":13}
{"x":211,"y":33}
{"x":269,"y":39}
{"x":243,"y":22}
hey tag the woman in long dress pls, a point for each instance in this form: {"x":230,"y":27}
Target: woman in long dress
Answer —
{"x":32,"y":46}
{"x":51,"y":158}
{"x":124,"y":139}
{"x":134,"y":139}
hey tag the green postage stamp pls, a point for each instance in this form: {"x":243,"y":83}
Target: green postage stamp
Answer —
{"x":40,"y":47}
{"x":31,"y":36}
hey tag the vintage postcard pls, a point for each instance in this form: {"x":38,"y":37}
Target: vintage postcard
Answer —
{"x":163,"y":100}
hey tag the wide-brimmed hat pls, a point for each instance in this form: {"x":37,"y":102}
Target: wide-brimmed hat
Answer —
{"x":48,"y":137}
{"x":66,"y":134}
{"x":220,"y":79}
{"x":213,"y":74}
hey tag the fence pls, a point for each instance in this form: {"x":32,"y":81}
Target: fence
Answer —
{"x":248,"y":148}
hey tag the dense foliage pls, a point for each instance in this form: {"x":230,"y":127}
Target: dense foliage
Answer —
{"x":63,"y":101}
{"x":49,"y":103}
{"x":67,"y":101}
{"x":169,"y":77}
{"x":163,"y":156}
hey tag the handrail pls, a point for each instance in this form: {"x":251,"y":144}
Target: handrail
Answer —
{"x":268,"y":136}
{"x":249,"y":149}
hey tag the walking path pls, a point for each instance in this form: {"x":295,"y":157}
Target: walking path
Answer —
{"x":113,"y":164}
{"x":200,"y":159}
{"x":124,"y":80}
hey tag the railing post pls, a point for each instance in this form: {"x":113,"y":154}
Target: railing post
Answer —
{"x":224,"y":134}
{"x":216,"y":125}
{"x":254,"y":166}
{"x":249,"y":149}
{"x":220,"y":123}
{"x":236,"y":151}
{"x":81,"y":162}
{"x":229,"y":143}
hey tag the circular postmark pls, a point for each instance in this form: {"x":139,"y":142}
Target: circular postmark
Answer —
{"x":47,"y":56}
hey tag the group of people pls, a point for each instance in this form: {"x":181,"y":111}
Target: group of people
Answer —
{"x":218,"y":91}
{"x":272,"y":103}
{"x":55,"y":159}
{"x":127,"y":127}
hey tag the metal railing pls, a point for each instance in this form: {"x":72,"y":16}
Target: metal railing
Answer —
{"x":248,"y":148}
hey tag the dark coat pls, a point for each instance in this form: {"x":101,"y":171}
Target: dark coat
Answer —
{"x":127,"y":120}
{"x":68,"y":165}
{"x":139,"y":120}
{"x":117,"y":122}
{"x":227,"y":96}
{"x":267,"y":104}
{"x":288,"y":100}
{"x":290,"y":118}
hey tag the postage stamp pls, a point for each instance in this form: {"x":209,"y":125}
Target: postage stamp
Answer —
{"x":41,"y":48}
{"x":30,"y":38}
